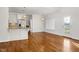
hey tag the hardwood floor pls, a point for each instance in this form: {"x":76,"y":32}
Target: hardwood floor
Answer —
{"x":41,"y":42}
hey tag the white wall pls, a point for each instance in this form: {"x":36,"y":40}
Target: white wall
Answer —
{"x":59,"y":22}
{"x":3,"y":23}
{"x":37,"y":23}
{"x":3,"y":19}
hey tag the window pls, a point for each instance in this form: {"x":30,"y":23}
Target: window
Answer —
{"x":67,"y":24}
{"x":67,"y":20}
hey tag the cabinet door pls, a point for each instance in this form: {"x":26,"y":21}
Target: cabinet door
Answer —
{"x":12,"y":18}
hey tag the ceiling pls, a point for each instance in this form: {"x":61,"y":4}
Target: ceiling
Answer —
{"x":34,"y":10}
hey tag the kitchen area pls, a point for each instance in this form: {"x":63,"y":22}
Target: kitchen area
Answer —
{"x":18,"y":25}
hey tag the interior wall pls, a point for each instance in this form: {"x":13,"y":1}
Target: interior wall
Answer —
{"x":3,"y":23}
{"x":58,"y":16}
{"x":37,"y":23}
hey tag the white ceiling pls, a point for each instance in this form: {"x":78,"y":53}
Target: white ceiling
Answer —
{"x":34,"y":10}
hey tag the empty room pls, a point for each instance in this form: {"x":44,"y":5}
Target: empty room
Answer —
{"x":39,"y":29}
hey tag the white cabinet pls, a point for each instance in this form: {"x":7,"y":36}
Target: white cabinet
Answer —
{"x":21,"y":16}
{"x":12,"y":17}
{"x":18,"y":34}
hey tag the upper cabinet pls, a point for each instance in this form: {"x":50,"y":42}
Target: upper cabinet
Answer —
{"x":18,"y":20}
{"x":12,"y":17}
{"x":21,"y":16}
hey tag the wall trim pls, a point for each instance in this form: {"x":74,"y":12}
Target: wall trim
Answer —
{"x":12,"y":40}
{"x":63,"y":36}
